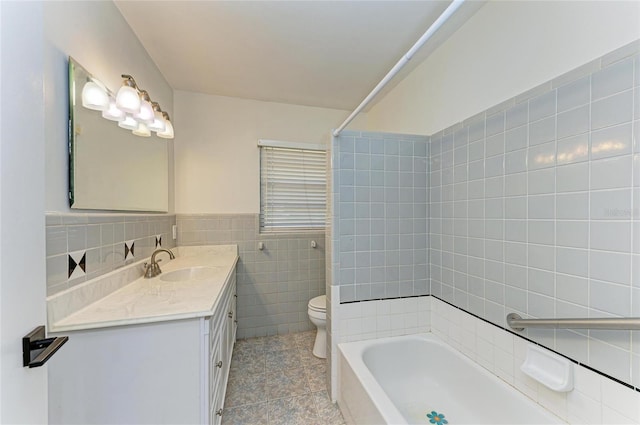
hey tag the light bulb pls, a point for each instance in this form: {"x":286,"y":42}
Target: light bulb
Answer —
{"x":94,"y":97}
{"x":142,"y":130}
{"x":128,"y":98}
{"x":145,"y":114}
{"x":129,"y":123}
{"x":112,"y":112}
{"x":158,"y":124}
{"x":158,"y":119}
{"x":168,"y":131}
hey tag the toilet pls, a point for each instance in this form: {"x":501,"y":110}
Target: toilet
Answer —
{"x":318,"y":316}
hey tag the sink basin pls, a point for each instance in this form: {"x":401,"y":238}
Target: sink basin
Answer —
{"x":190,"y":273}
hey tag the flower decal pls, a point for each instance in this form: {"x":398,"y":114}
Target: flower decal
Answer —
{"x":436,"y":418}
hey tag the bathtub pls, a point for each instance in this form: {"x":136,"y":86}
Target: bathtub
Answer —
{"x":401,"y":380}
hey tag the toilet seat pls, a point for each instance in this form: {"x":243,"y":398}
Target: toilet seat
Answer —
{"x":318,"y":304}
{"x":318,"y":316}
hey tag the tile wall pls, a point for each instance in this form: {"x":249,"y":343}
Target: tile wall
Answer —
{"x":534,"y":209}
{"x":274,"y":284}
{"x":357,"y":321}
{"x":84,"y":246}
{"x":377,"y":231}
{"x":379,"y":215}
{"x":384,"y":318}
{"x":594,"y":399}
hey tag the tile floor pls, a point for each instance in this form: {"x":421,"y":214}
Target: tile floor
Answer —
{"x":277,"y":381}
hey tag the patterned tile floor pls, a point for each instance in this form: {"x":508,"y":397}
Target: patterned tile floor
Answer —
{"x":277,"y":381}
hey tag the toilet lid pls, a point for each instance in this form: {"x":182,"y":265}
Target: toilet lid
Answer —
{"x":318,"y":303}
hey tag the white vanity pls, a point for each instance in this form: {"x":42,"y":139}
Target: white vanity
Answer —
{"x":147,"y":351}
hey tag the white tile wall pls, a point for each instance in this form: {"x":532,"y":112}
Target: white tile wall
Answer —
{"x":373,"y":319}
{"x":595,"y":399}
{"x":383,"y":318}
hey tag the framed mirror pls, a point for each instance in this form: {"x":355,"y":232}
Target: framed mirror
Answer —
{"x":110,"y":168}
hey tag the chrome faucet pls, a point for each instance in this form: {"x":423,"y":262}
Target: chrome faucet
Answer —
{"x":152,"y":269}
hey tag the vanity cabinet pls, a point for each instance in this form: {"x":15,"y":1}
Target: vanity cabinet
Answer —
{"x":165,"y":372}
{"x":220,"y":340}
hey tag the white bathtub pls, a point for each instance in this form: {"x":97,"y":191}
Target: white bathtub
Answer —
{"x":399,"y":380}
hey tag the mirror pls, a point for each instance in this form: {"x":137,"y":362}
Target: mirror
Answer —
{"x":110,"y":168}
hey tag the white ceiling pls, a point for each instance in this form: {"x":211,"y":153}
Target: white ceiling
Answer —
{"x":316,"y":53}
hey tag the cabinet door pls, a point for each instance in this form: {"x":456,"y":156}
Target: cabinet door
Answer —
{"x":223,"y":334}
{"x":218,"y":412}
{"x":225,"y":354}
{"x":232,"y":323}
{"x":139,"y":374}
{"x":215,"y":381}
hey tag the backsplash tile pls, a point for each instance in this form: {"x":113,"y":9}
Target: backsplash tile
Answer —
{"x":100,"y":239}
{"x":129,"y":250}
{"x":77,"y":264}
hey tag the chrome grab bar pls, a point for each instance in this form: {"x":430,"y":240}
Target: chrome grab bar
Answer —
{"x":517,"y":323}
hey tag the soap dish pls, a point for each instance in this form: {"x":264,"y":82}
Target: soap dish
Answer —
{"x":551,"y":370}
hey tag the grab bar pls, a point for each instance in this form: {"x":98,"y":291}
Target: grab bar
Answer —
{"x":517,"y":323}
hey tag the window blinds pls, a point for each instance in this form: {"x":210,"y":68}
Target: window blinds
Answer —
{"x":292,"y":189}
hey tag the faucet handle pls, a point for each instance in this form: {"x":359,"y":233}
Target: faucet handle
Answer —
{"x":148,"y":270}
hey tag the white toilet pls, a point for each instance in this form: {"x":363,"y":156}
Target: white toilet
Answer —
{"x":318,"y":316}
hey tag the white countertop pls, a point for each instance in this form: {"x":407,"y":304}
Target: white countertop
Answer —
{"x":154,"y":300}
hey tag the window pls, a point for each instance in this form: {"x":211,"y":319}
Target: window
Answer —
{"x":293,"y":186}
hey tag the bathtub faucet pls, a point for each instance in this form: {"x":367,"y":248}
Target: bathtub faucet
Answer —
{"x":152,"y":269}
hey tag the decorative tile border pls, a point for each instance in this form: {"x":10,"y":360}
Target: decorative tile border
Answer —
{"x":129,"y":250}
{"x":77,"y":264}
{"x":105,"y":241}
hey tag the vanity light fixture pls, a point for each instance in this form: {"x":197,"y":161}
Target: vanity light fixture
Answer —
{"x":94,"y":97}
{"x":132,"y":108}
